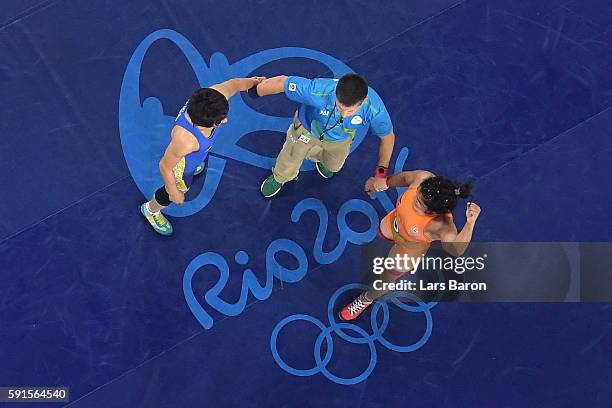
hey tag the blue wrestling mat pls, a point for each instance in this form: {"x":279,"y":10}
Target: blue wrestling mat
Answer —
{"x":239,"y":307}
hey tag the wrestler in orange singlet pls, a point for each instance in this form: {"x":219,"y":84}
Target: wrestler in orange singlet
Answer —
{"x":423,"y":214}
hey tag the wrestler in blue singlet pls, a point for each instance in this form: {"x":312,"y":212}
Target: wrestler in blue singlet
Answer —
{"x":185,"y":169}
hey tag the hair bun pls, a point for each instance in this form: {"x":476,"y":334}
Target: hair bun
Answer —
{"x":465,"y":190}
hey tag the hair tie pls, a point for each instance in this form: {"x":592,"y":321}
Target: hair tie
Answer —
{"x":457,"y":192}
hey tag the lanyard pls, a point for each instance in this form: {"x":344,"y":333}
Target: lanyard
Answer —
{"x":327,"y":129}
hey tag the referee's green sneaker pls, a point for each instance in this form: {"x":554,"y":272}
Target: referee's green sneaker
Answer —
{"x":270,"y":186}
{"x":157,"y":220}
{"x":324,"y":171}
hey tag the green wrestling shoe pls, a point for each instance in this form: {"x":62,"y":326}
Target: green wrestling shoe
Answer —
{"x":270,"y":186}
{"x":157,"y":220}
{"x":201,"y":167}
{"x":324,"y":171}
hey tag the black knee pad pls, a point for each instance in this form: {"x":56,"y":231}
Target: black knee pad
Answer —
{"x":162,"y":197}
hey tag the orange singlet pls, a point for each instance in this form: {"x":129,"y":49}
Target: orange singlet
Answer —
{"x":405,"y":223}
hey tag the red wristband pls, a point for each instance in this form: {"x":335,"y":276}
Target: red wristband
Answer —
{"x":381,"y":172}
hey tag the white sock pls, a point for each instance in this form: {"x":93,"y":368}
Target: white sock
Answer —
{"x":149,"y":209}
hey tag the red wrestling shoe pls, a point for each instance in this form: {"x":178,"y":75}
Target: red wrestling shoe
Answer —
{"x":354,"y":309}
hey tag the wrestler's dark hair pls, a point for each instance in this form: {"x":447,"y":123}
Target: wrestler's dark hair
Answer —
{"x":207,"y":107}
{"x":351,"y":89}
{"x":440,"y":194}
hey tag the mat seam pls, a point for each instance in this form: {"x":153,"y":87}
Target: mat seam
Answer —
{"x":21,"y":231}
{"x":27,"y":13}
{"x":541,"y":144}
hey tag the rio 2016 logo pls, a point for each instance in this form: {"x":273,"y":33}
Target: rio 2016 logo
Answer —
{"x":144,"y":131}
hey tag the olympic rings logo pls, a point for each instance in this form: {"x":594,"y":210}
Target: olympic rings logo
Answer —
{"x":362,"y":337}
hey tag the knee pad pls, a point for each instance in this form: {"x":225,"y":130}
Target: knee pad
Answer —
{"x":162,"y":197}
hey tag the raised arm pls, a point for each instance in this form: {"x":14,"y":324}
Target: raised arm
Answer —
{"x":456,"y":243}
{"x":272,"y":86}
{"x":231,"y":87}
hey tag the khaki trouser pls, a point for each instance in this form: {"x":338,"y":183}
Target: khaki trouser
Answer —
{"x":301,"y":144}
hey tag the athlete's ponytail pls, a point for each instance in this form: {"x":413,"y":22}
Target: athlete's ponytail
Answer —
{"x":465,"y":190}
{"x":440,"y":194}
